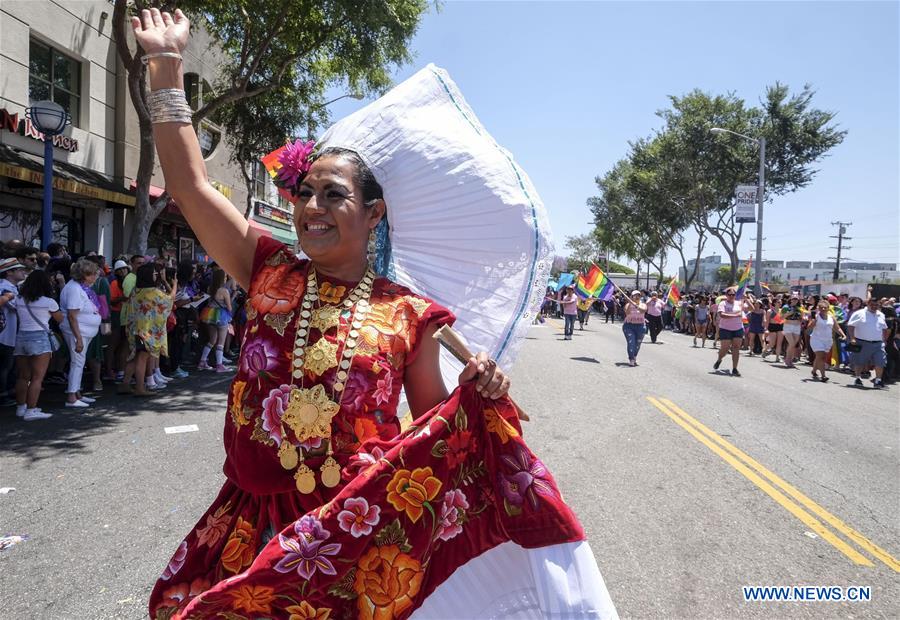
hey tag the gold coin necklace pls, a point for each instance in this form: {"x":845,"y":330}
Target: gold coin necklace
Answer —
{"x":309,"y":410}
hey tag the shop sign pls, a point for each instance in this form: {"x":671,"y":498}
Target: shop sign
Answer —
{"x":25,"y":127}
{"x":263,"y":209}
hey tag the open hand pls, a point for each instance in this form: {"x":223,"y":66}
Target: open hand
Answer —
{"x":492,"y":382}
{"x":161,"y":32}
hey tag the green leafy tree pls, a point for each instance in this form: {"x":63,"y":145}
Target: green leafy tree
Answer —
{"x":270,"y":46}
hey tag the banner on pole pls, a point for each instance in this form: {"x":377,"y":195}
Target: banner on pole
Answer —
{"x":745,"y":204}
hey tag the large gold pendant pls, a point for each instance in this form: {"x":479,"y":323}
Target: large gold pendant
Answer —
{"x":287,"y":454}
{"x":330,"y":472}
{"x":309,"y":413}
{"x":321,"y":357}
{"x":305,"y":479}
{"x":325,"y":318}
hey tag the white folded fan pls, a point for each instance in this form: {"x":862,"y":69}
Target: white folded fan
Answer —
{"x":467,"y":227}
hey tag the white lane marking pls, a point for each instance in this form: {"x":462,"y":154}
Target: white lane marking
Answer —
{"x":187,"y":428}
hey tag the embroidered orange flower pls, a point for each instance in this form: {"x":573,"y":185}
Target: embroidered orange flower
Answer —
{"x":364,"y":429}
{"x":408,"y":491}
{"x":254,"y":599}
{"x":389,"y":327}
{"x":387,"y":581}
{"x":458,"y":445}
{"x":238,"y":551}
{"x":237,"y":403}
{"x":183,"y":592}
{"x":331,"y":294}
{"x":277,"y":290}
{"x":305,"y":611}
{"x":216,"y":526}
{"x":498,"y":425}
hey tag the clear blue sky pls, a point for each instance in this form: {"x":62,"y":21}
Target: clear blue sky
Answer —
{"x":565,"y":85}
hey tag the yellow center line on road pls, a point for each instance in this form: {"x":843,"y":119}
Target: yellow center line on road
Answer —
{"x":812,"y":506}
{"x":810,"y":521}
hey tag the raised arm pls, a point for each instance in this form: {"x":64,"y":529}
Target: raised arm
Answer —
{"x":219,"y":226}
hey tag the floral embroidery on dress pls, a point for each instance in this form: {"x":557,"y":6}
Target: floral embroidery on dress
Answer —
{"x":239,"y":552}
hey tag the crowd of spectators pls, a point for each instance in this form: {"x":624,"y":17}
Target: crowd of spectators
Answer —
{"x":77,"y":323}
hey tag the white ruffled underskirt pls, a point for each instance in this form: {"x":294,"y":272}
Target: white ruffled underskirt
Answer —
{"x":510,"y":582}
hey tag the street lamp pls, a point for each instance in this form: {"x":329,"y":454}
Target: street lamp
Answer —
{"x":309,"y":126}
{"x":760,"y":191}
{"x":50,"y":119}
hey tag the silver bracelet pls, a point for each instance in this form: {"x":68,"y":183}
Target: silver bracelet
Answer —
{"x":169,"y":105}
{"x":146,"y":57}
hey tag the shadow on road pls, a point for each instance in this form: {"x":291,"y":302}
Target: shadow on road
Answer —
{"x":585,"y":359}
{"x":69,"y":429}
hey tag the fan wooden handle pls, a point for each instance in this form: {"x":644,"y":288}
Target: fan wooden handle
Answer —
{"x":453,"y":342}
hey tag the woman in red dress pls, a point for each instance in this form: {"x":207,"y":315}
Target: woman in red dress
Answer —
{"x":329,"y":510}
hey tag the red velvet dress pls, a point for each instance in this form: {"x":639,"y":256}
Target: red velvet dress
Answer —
{"x":411,"y":507}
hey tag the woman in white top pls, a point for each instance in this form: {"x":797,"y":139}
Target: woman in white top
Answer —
{"x":34,"y":308}
{"x":81,"y":322}
{"x":821,"y":329}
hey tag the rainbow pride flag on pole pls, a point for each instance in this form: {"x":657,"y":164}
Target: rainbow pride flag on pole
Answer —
{"x":674,"y":295}
{"x":743,"y":280}
{"x":594,"y":284}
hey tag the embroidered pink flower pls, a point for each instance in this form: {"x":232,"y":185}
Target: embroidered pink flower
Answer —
{"x":257,"y":357}
{"x":274,"y":406}
{"x":176,"y":562}
{"x":356,"y":391}
{"x":308,"y":553}
{"x":358,"y":517}
{"x":295,"y":162}
{"x":527,"y":478}
{"x":363,"y":460}
{"x":452,"y":516}
{"x":383,"y":390}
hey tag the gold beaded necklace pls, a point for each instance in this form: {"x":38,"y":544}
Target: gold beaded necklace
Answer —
{"x":309,"y":411}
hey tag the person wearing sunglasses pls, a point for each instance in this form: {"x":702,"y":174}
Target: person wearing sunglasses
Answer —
{"x":731,"y":330}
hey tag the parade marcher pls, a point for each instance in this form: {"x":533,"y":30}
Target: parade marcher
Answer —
{"x":655,"y":307}
{"x":776,"y":330}
{"x":633,"y":327}
{"x":868,"y":331}
{"x":117,"y":347}
{"x":35,"y":343}
{"x":611,"y":307}
{"x":758,"y":323}
{"x":701,"y":317}
{"x":822,"y":328}
{"x":328,"y":510}
{"x":216,"y":317}
{"x":584,"y":311}
{"x":731,"y":330}
{"x":794,"y":314}
{"x":81,"y":323}
{"x":569,"y":302}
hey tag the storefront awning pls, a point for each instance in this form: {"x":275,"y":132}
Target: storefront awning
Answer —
{"x":281,"y":234}
{"x":67,"y":177}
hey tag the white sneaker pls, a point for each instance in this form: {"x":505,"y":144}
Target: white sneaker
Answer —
{"x":21,"y":410}
{"x":88,"y":399}
{"x":161,"y":378}
{"x":77,"y":403}
{"x":155,"y":386}
{"x":36,"y":414}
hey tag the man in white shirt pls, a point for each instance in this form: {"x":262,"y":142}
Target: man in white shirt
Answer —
{"x":868,"y":329}
{"x":12,"y":272}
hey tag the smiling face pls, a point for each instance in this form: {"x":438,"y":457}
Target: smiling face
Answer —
{"x":330,"y":217}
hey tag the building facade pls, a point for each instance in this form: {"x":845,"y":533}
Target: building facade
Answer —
{"x":64,"y":51}
{"x":795,"y":272}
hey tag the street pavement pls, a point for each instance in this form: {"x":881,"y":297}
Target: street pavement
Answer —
{"x":690,"y":483}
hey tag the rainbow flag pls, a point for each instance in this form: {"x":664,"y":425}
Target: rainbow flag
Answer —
{"x":743,"y":281}
{"x":272,"y":166}
{"x":674,"y":295}
{"x":594,"y":284}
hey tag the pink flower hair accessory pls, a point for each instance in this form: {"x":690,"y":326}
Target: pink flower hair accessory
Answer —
{"x":296,"y":160}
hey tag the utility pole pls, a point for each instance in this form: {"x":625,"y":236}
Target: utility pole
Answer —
{"x":842,"y":231}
